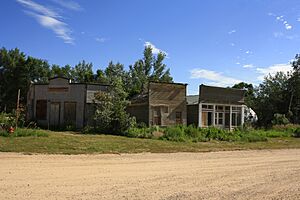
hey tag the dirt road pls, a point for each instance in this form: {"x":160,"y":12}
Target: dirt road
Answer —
{"x":262,"y":174}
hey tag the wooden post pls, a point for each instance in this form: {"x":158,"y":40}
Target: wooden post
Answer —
{"x":200,"y":115}
{"x":230,"y":118}
{"x":17,"y":111}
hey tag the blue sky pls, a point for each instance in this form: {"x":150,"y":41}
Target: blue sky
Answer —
{"x":207,"y":42}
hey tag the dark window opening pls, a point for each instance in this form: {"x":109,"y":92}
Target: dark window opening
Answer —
{"x":41,"y":109}
{"x":178,"y":117}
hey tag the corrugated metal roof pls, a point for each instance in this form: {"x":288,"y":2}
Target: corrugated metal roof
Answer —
{"x":192,"y":99}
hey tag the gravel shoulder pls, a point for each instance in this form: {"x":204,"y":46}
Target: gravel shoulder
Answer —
{"x":259,"y":174}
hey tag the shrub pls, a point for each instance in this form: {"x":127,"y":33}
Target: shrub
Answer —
{"x":4,"y":133}
{"x":195,"y":134}
{"x":139,"y":132}
{"x":221,"y":135}
{"x":287,"y":128}
{"x":297,"y":133}
{"x":280,"y":119}
{"x":253,"y":136}
{"x":7,"y":120}
{"x":87,"y":130}
{"x":174,"y":133}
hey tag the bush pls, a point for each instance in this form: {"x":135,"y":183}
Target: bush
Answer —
{"x":87,"y":130}
{"x":7,"y":120}
{"x":174,"y":133}
{"x":280,"y":119}
{"x":140,"y":132}
{"x":286,"y":128}
{"x":195,"y":134}
{"x":297,"y":133}
{"x":253,"y":137}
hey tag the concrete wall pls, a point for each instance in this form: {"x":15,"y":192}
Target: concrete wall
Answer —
{"x":61,"y":93}
{"x":59,"y":90}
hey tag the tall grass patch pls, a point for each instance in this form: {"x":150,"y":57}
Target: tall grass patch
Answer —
{"x":24,"y":132}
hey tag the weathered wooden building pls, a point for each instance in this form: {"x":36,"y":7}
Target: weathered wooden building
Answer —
{"x":161,"y":104}
{"x":217,"y":106}
{"x":192,"y":109}
{"x":61,"y":103}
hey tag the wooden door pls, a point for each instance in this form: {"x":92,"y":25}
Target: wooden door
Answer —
{"x":54,"y":114}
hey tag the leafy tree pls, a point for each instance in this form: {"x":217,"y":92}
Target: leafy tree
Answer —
{"x":271,"y":98}
{"x":17,"y":72}
{"x":294,"y":90}
{"x":249,"y":95}
{"x":66,"y":71}
{"x":111,"y":115}
{"x":114,"y":71}
{"x":150,"y":68}
{"x":100,"y":77}
{"x":83,"y":72}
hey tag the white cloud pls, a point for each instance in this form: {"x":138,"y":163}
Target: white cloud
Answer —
{"x":248,"y":66}
{"x":248,"y":52}
{"x":48,"y":18}
{"x":58,"y":27}
{"x":231,"y":32}
{"x":155,"y":50}
{"x":281,"y":19}
{"x":272,"y":70}
{"x":39,"y":8}
{"x":271,"y":14}
{"x":101,"y":39}
{"x":232,"y":44}
{"x":237,"y":63}
{"x":213,"y":78}
{"x":72,"y":5}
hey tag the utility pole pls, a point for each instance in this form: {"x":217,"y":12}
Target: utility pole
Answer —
{"x":17,"y":111}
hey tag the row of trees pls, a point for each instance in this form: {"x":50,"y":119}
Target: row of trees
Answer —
{"x":277,"y":96}
{"x":18,"y":71}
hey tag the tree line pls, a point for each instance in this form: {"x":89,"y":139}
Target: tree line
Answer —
{"x":19,"y":71}
{"x":275,"y":100}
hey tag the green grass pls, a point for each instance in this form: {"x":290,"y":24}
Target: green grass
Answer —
{"x":24,"y":132}
{"x":74,"y":143}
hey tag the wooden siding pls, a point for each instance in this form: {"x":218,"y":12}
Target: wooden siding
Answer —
{"x":140,"y":112}
{"x":165,"y":101}
{"x":192,"y":114}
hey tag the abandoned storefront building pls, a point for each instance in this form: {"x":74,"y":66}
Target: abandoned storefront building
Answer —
{"x":216,"y":106}
{"x":161,"y":104}
{"x":62,"y":103}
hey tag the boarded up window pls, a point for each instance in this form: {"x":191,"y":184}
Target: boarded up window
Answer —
{"x":156,"y":114}
{"x":70,"y":113}
{"x":41,"y":109}
{"x":164,"y":109}
{"x":178,"y":117}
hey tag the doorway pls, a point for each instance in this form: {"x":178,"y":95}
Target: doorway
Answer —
{"x":54,"y":115}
